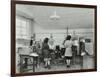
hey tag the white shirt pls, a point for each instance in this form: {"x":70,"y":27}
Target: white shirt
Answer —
{"x":68,"y":45}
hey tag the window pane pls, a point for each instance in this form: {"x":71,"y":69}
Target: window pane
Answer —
{"x":22,"y":27}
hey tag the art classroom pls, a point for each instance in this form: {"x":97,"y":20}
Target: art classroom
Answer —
{"x":52,"y":38}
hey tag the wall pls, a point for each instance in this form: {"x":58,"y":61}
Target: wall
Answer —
{"x":60,"y":34}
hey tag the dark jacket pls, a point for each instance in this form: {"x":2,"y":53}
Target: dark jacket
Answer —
{"x":31,"y":42}
{"x":45,"y":50}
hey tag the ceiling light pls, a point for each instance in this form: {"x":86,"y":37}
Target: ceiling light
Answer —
{"x":54,"y":16}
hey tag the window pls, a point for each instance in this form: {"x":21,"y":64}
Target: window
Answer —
{"x":22,"y":27}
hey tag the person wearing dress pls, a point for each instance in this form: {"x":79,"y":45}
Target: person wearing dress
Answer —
{"x":46,"y":53}
{"x":68,"y":50}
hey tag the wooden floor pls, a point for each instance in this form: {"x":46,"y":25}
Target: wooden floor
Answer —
{"x":88,"y":63}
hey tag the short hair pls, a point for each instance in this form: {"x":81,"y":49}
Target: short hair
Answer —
{"x":68,"y":37}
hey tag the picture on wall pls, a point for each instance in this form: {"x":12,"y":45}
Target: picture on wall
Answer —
{"x":52,"y":38}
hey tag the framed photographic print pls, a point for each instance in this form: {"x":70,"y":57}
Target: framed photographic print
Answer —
{"x":52,"y":38}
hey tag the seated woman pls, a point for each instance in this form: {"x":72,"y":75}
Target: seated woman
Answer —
{"x":46,"y":53}
{"x":57,"y":52}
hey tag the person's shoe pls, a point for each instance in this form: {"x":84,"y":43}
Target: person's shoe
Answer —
{"x":48,"y":66}
{"x":45,"y":66}
{"x":68,"y":66}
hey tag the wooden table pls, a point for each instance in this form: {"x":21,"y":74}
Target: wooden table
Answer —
{"x":26,"y":57}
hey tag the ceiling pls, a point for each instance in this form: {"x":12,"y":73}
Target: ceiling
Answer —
{"x":69,"y":16}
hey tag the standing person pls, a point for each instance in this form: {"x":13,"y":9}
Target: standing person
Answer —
{"x":33,"y":43}
{"x":75,"y":50}
{"x":46,"y":53}
{"x":68,"y":50}
{"x":51,"y":44}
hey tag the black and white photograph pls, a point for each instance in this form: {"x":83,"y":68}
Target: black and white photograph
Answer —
{"x":54,"y":38}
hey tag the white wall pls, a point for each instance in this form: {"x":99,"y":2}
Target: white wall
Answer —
{"x":60,"y":34}
{"x":5,"y":39}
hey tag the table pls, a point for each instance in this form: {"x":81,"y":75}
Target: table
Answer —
{"x":26,"y":57}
